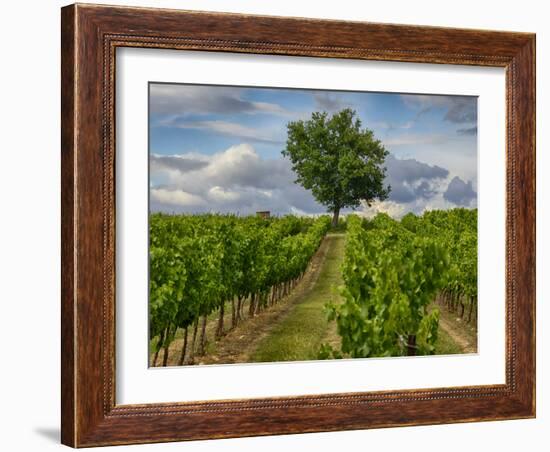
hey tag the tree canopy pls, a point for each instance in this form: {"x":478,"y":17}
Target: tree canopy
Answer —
{"x":340,"y":162}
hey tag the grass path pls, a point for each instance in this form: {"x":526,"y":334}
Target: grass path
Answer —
{"x":300,"y":334}
{"x":464,"y":336}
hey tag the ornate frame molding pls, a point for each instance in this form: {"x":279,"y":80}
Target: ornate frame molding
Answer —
{"x":90,"y":37}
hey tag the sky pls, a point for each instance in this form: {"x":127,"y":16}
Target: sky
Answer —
{"x":218,"y":148}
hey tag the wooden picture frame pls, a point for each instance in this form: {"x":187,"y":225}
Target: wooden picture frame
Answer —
{"x":90,"y":36}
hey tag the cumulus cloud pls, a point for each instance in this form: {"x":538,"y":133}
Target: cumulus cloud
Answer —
{"x":459,"y":192}
{"x":415,"y":187}
{"x":175,"y":197}
{"x":417,"y":206}
{"x":410,"y":179}
{"x":391,"y":208}
{"x":171,"y":99}
{"x":221,"y":194}
{"x":407,"y":139}
{"x":238,"y":180}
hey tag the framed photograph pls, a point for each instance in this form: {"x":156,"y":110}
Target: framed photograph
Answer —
{"x":281,"y":225}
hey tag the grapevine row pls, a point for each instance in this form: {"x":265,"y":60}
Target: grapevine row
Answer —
{"x":202,"y":263}
{"x":393,"y":271}
{"x":456,"y":229}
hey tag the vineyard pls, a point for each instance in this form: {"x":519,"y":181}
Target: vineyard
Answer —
{"x":199,"y":264}
{"x":266,"y":285}
{"x":393,"y":271}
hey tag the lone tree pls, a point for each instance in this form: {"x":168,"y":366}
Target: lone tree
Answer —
{"x":338,"y":161}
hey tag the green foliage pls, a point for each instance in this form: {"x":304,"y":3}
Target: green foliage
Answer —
{"x":456,"y":229}
{"x":199,"y":262}
{"x":341,"y":163}
{"x":340,"y":227}
{"x":391,"y":276}
{"x":393,"y":271}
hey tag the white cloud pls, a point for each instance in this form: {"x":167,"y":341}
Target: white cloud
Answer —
{"x":227,"y":128}
{"x":220,"y":194}
{"x":408,"y":139}
{"x":266,"y":107}
{"x":418,"y":205}
{"x":392,"y":208}
{"x":238,"y":180}
{"x":175,"y":197}
{"x":235,"y":180}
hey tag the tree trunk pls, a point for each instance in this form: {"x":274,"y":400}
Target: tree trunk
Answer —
{"x":165,"y":357}
{"x":156,"y":357}
{"x":241,"y":310}
{"x":471,"y":309}
{"x":219,"y":331}
{"x":168,"y":337}
{"x":202,"y":349}
{"x":251,"y":306}
{"x":239,"y":316}
{"x":233,"y":313}
{"x":411,"y":345}
{"x":335,"y":216}
{"x":183,"y":349}
{"x":192,"y":355}
{"x":159,"y":346}
{"x":259,"y":303}
{"x":166,"y":346}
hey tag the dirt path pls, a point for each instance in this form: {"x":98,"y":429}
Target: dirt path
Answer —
{"x":463,"y":335}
